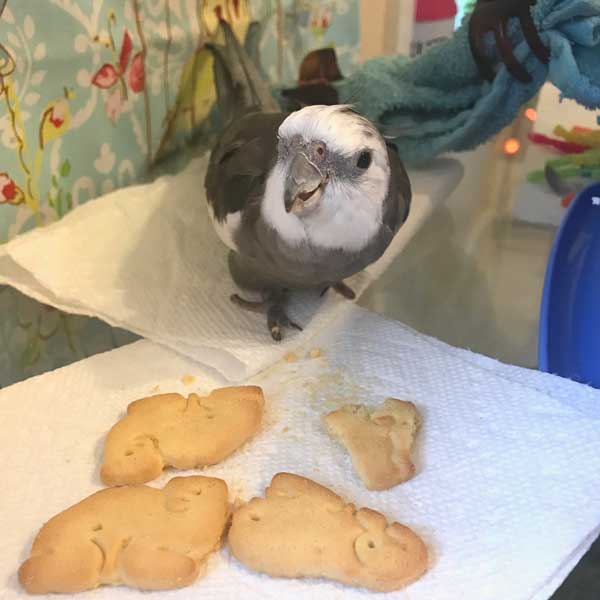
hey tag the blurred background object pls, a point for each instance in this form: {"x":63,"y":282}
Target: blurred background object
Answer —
{"x":434,"y":22}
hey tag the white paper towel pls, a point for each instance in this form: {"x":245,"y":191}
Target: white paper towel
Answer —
{"x":146,"y":258}
{"x":508,"y":460}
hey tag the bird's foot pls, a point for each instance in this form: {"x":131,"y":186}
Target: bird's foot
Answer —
{"x":342,"y":289}
{"x":272,"y":306}
{"x":277,"y":321}
{"x":257,"y":307}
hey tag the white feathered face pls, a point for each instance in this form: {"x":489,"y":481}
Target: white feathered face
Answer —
{"x":330,"y":180}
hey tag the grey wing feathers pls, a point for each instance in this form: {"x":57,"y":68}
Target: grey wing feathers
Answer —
{"x":240,"y":163}
{"x":398,"y":200}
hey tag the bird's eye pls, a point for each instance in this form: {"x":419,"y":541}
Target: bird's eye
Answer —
{"x":364,"y":160}
{"x":320,"y":149}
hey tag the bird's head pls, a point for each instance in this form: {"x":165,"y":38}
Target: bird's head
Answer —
{"x":330,"y":180}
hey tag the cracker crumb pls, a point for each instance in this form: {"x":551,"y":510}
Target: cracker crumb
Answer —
{"x":155,"y":389}
{"x":315,"y":353}
{"x":291,"y":357}
{"x":188,"y":379}
{"x":285,"y":430}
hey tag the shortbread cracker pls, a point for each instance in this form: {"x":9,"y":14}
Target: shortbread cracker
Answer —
{"x":302,"y":529}
{"x":185,"y":433}
{"x":379,"y":441}
{"x":142,"y":537}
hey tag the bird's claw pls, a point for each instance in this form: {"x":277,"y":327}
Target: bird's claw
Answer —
{"x":342,"y":289}
{"x":259,"y":307}
{"x":493,"y":16}
{"x":277,"y":321}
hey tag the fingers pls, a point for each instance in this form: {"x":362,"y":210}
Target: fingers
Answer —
{"x":514,"y":67}
{"x":258,"y":307}
{"x":493,"y":15}
{"x":344,"y":290}
{"x":532,"y":37}
{"x":476,"y":35}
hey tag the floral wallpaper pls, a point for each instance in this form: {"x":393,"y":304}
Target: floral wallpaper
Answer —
{"x":94,"y":94}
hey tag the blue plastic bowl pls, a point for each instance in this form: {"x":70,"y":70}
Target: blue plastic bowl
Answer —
{"x":569,"y":343}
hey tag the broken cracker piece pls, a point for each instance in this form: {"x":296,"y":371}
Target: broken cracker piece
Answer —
{"x":142,"y":537}
{"x":302,"y":529}
{"x":172,"y":431}
{"x":291,"y":357}
{"x":188,"y":379}
{"x":315,"y":353}
{"x":378,"y":441}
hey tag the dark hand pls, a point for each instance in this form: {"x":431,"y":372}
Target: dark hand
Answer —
{"x":493,"y":15}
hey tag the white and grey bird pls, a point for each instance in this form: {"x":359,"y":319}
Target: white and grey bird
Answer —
{"x":303,"y":200}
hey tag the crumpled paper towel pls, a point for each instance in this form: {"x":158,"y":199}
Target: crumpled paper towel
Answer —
{"x":146,"y":259}
{"x":508,"y":460}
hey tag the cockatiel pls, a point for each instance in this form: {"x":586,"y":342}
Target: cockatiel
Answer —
{"x":303,"y":200}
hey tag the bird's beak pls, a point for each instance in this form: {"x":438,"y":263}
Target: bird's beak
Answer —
{"x":304,"y":185}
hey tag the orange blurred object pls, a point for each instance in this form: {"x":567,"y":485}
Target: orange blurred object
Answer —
{"x":531,"y":114}
{"x":512,"y":146}
{"x":566,"y":201}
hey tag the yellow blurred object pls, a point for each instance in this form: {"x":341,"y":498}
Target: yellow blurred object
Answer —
{"x":591,"y":139}
{"x":195,"y":97}
{"x":235,"y":12}
{"x":197,"y":89}
{"x":589,"y":158}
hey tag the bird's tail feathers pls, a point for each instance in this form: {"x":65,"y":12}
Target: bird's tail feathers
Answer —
{"x":240,"y":86}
